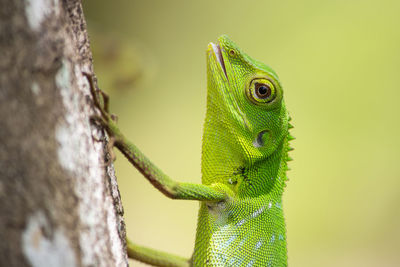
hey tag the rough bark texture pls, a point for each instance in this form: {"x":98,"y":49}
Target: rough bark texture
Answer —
{"x":59,"y":202}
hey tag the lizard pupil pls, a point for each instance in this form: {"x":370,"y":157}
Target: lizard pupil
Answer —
{"x":263,"y":90}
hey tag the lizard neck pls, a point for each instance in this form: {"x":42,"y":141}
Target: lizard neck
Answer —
{"x":246,"y":178}
{"x":266,"y":176}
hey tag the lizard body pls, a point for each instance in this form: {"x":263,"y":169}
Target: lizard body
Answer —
{"x":245,"y":146}
{"x":244,"y":163}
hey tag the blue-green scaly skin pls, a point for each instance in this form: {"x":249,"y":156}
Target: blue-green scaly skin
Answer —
{"x":245,"y":153}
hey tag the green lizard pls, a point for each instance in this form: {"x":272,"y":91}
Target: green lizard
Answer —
{"x":244,"y":164}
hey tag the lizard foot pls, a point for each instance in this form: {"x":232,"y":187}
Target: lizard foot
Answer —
{"x":101,"y":100}
{"x":105,"y":119}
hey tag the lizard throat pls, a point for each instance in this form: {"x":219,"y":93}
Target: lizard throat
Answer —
{"x":218,"y":55}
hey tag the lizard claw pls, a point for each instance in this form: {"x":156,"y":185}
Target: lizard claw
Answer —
{"x":114,"y":117}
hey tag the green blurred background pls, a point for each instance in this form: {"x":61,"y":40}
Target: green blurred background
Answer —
{"x":339,"y":63}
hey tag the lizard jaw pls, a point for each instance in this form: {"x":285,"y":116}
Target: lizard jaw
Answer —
{"x":218,"y":55}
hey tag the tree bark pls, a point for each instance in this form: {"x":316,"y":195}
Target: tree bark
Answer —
{"x":59,"y":201}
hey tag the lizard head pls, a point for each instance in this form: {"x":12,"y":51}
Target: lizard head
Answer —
{"x":246,"y":118}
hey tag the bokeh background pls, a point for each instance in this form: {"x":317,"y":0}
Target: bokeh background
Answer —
{"x":339,"y":62}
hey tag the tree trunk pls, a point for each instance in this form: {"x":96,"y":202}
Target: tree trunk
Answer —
{"x":59,"y":201}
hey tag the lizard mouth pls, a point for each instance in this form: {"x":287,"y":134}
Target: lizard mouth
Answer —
{"x":218,"y":55}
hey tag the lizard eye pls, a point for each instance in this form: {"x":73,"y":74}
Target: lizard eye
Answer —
{"x":261,"y":91}
{"x":232,"y":52}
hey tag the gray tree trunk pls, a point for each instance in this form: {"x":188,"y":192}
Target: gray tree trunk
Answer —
{"x":59,"y":202}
